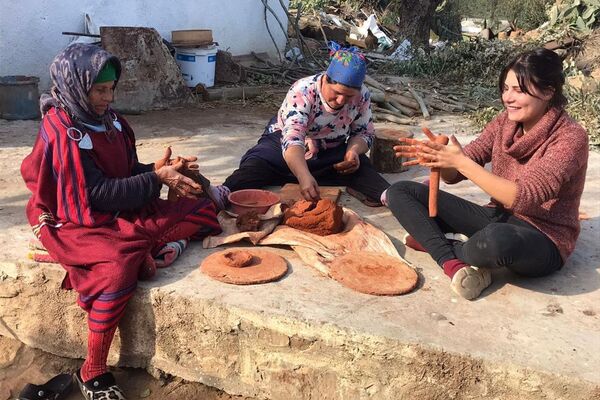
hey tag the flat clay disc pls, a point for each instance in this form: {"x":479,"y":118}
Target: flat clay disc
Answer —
{"x":261,"y":266}
{"x":374,"y":273}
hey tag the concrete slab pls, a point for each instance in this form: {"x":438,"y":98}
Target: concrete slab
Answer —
{"x":307,"y":336}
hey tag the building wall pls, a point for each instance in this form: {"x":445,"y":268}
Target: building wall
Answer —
{"x":30,"y":30}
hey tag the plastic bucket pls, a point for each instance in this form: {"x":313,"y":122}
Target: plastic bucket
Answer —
{"x":197,"y":65}
{"x":19,"y":97}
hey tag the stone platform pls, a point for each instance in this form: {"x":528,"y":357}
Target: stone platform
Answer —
{"x":306,"y":336}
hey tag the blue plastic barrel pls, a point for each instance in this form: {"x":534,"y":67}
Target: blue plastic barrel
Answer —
{"x":19,"y":97}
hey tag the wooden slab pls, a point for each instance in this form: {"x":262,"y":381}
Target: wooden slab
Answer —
{"x":291,"y":192}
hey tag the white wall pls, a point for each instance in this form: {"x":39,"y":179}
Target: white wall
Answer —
{"x":30,"y":30}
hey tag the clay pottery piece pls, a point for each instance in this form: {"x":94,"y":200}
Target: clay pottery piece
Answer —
{"x":243,"y":266}
{"x":374,"y":273}
{"x":321,"y":218}
{"x":248,"y":222}
{"x":192,"y":171}
{"x":243,"y":201}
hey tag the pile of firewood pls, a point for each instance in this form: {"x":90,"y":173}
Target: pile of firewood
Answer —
{"x":400,"y":104}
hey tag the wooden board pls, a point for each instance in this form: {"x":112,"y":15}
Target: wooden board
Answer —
{"x":291,"y":192}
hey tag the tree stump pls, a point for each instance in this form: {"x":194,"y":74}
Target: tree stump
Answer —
{"x":383,"y":155}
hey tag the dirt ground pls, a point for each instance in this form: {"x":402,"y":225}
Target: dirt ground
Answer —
{"x":20,"y":365}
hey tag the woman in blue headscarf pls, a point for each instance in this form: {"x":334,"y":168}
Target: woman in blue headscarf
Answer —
{"x":319,"y":137}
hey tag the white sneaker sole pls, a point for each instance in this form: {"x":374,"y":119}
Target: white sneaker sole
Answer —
{"x":469,"y":282}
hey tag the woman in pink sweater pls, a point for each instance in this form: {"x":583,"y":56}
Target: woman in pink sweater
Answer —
{"x":538,"y":158}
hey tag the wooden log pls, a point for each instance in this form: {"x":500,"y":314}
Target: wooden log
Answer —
{"x":402,"y":99}
{"x":372,"y":82}
{"x":388,"y":106}
{"x":422,"y":105}
{"x":383,"y":155}
{"x":409,"y":112}
{"x":395,"y":119}
{"x":387,"y":111}
{"x":377,"y":96}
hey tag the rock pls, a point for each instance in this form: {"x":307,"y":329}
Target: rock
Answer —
{"x":516,"y":33}
{"x":584,"y":83}
{"x":150,"y":78}
{"x":321,"y":218}
{"x":227,"y":70}
{"x":8,"y":351}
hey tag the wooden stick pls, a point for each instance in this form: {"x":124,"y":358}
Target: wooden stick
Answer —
{"x":434,"y":175}
{"x":419,"y":100}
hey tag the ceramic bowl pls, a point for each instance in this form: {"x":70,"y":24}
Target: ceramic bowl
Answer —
{"x":246,"y":200}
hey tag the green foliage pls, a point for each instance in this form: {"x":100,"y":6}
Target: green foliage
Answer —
{"x":524,"y":14}
{"x":483,"y":116}
{"x":575,"y":15}
{"x":584,"y":107}
{"x":310,"y":5}
{"x":473,"y":62}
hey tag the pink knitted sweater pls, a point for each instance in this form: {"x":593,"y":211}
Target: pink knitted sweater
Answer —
{"x":548,"y":164}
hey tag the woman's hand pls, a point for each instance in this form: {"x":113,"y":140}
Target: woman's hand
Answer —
{"x":349,"y":165}
{"x":430,"y":154}
{"x":180,"y":184}
{"x":309,"y":187}
{"x":167,"y":160}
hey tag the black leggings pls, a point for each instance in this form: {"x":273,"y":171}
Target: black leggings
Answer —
{"x":496,"y":237}
{"x":264,"y":165}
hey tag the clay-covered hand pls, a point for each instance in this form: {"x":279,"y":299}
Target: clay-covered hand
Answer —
{"x":349,"y":165}
{"x":430,"y":154}
{"x":166,"y":160}
{"x":309,"y":187}
{"x":179,"y":183}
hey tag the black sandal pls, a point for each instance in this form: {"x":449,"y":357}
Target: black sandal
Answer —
{"x":100,"y":388}
{"x":56,"y":388}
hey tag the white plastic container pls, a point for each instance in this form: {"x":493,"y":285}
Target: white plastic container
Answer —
{"x":197,"y":64}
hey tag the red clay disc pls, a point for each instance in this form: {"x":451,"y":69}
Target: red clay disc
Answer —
{"x":264,"y":266}
{"x":374,"y":273}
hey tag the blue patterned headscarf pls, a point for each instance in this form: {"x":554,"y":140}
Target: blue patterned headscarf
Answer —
{"x":73,"y":73}
{"x":348,"y":65}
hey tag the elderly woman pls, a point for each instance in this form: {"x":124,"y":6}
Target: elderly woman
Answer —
{"x":539,"y":160}
{"x":96,"y":208}
{"x":319,"y":137}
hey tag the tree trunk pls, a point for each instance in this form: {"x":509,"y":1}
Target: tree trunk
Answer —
{"x":414,"y":19}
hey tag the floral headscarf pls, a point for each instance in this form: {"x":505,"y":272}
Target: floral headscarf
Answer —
{"x":73,"y":73}
{"x":348,"y":65}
